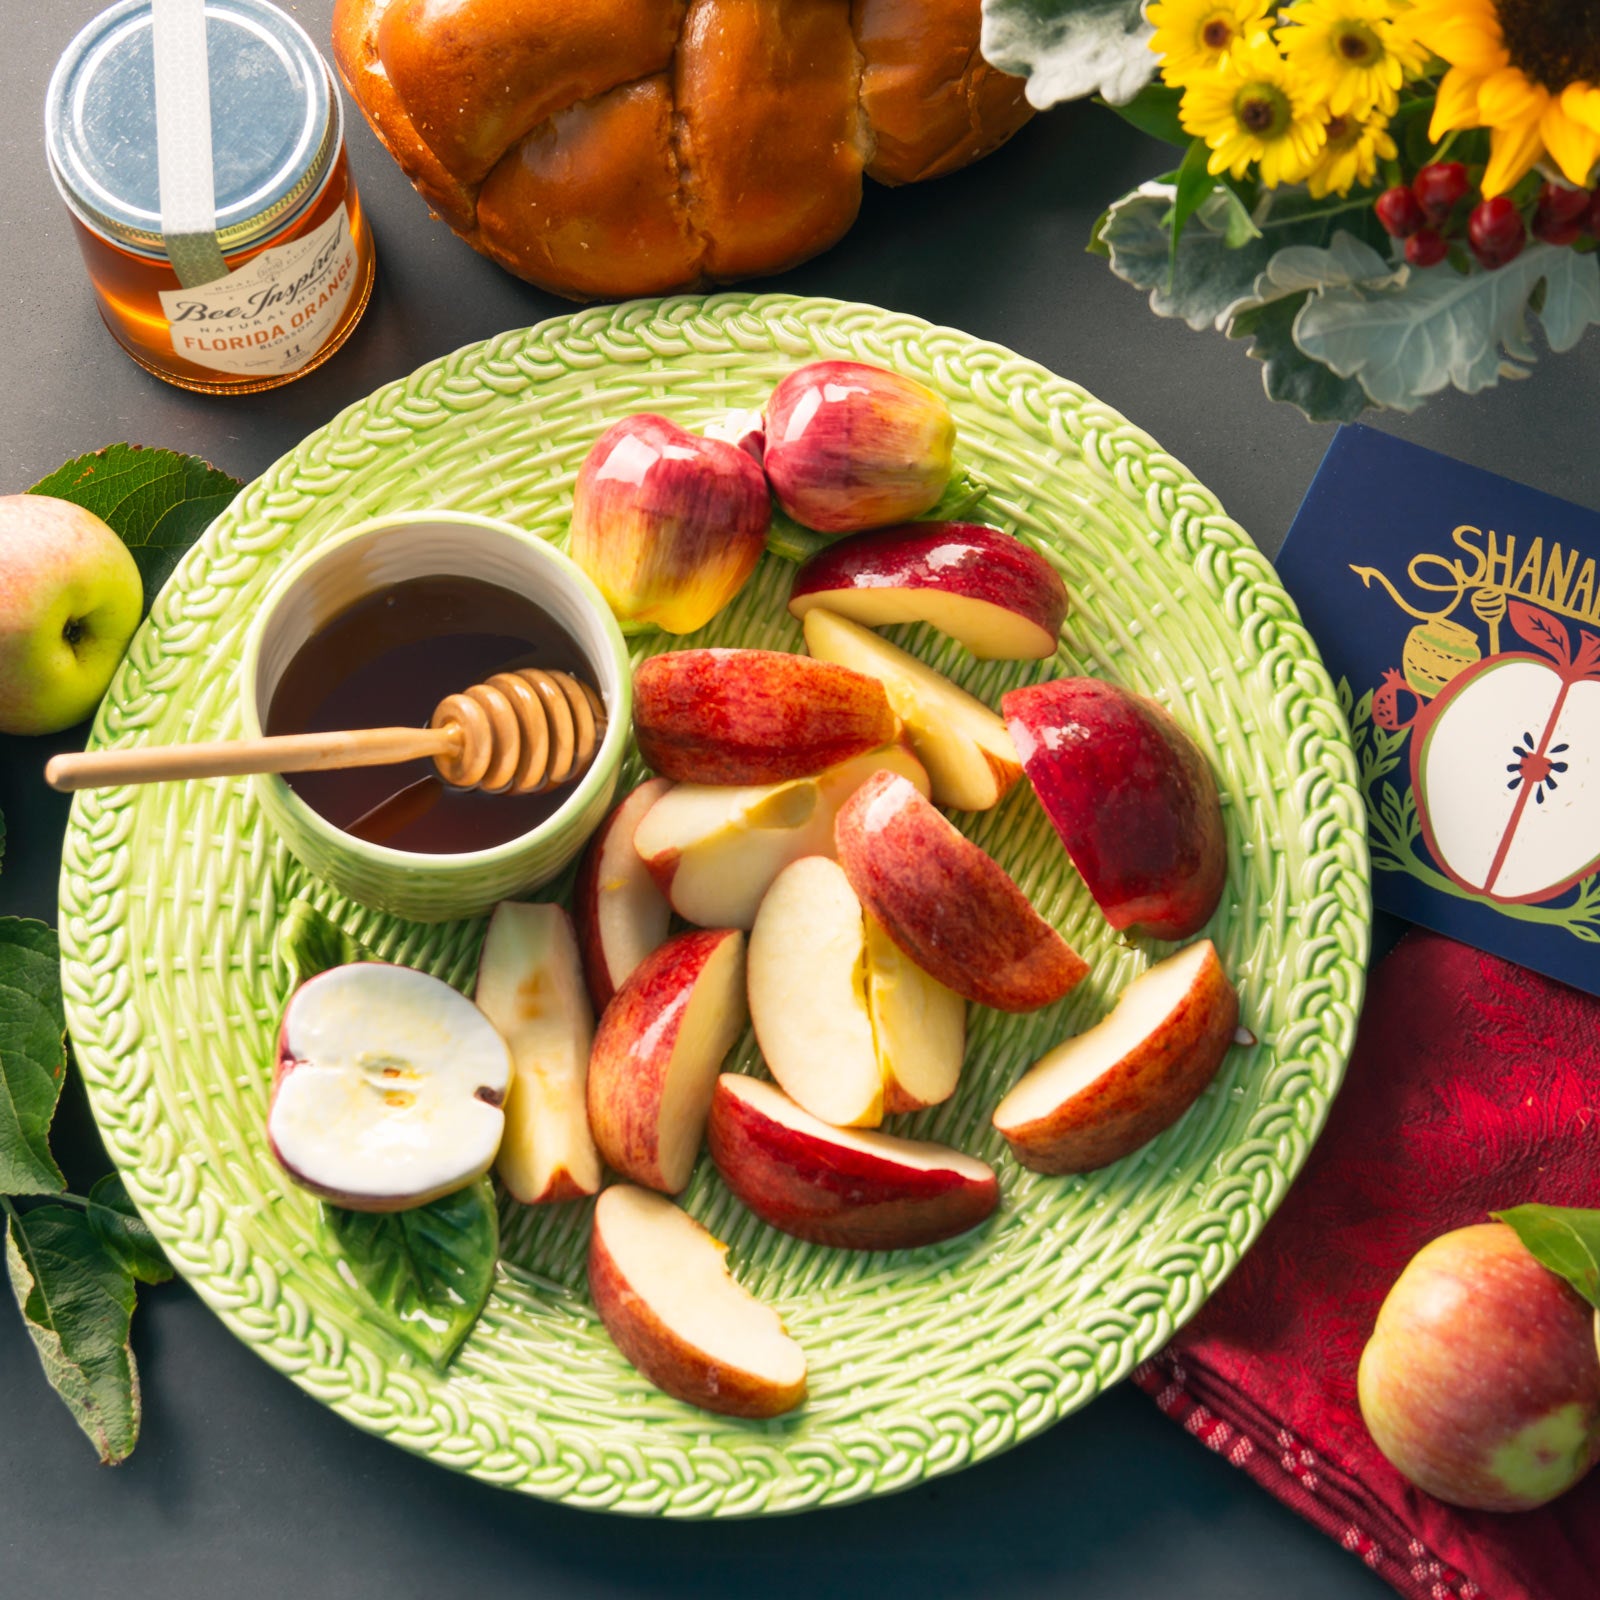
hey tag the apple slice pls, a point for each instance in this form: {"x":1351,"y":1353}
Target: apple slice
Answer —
{"x":970,"y":759}
{"x":918,"y":1025}
{"x":715,"y":850}
{"x":620,"y":913}
{"x":1131,"y":796}
{"x":954,"y":910}
{"x":753,"y":716}
{"x":662,"y":1287}
{"x":1102,"y":1094}
{"x":986,"y":589}
{"x":808,"y":994}
{"x":657,"y":1052}
{"x":839,"y":1186}
{"x":530,"y":986}
{"x":388,"y":1088}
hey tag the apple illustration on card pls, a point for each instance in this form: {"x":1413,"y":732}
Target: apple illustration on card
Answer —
{"x":1459,"y":615}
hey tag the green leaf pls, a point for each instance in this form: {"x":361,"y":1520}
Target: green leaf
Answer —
{"x":78,"y":1302}
{"x":1195,"y":184}
{"x":963,"y":494}
{"x":308,"y":942}
{"x":33,"y":1056}
{"x":118,"y":1226}
{"x":787,"y":539}
{"x":426,"y":1271}
{"x":1070,"y":48}
{"x":156,"y":501}
{"x":1566,"y":1239}
{"x":1407,"y":340}
{"x":1154,"y":110}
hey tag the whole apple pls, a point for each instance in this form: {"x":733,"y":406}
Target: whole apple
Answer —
{"x":1481,"y":1382}
{"x":70,"y":598}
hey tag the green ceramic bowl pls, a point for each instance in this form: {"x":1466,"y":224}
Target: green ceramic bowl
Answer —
{"x":349,"y":565}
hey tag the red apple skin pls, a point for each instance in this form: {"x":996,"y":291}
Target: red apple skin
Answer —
{"x":1132,"y":797}
{"x":982,"y":564}
{"x":586,"y":893}
{"x":754,"y":716}
{"x":667,"y":523}
{"x":850,"y":446}
{"x":632,"y":1053}
{"x":953,"y":909}
{"x":1475,"y":1343}
{"x":793,"y":1176}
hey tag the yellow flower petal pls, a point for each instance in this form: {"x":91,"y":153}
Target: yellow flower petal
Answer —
{"x":1581,"y":102}
{"x":1457,"y":105}
{"x":1507,"y":96}
{"x":1465,"y":35}
{"x":1573,"y":146}
{"x":1513,"y":151}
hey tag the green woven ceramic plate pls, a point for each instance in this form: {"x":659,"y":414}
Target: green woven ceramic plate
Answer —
{"x":921,"y":1361}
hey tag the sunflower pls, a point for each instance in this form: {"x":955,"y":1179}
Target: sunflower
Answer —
{"x":1351,"y":53}
{"x":1194,"y":35}
{"x":1350,"y":156}
{"x":1529,"y":70}
{"x":1250,"y":108}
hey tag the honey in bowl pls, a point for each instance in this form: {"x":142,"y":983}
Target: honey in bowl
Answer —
{"x":387,"y":661}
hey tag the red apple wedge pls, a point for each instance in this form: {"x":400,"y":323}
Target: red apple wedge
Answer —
{"x":1103,"y":1094}
{"x":839,"y":1186}
{"x":951,"y":908}
{"x":1132,"y":797}
{"x":753,"y":716}
{"x":530,"y":986}
{"x":662,"y":1288}
{"x":714,"y":850}
{"x":970,"y":758}
{"x":657,"y":1052}
{"x":621,"y":915}
{"x":986,"y":589}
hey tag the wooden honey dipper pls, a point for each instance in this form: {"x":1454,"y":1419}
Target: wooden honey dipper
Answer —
{"x":517,"y":732}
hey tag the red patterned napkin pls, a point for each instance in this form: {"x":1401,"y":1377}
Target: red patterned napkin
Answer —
{"x":1475,"y":1085}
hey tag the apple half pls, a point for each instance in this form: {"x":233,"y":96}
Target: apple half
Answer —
{"x":714,"y":850}
{"x":969,"y":755}
{"x":530,"y":986}
{"x":657,"y":1052}
{"x":954,"y":910}
{"x":753,"y":716}
{"x":1103,"y":1094}
{"x":621,"y":915}
{"x":662,"y":1288}
{"x":840,"y":1186}
{"x":388,"y":1088}
{"x":986,"y":589}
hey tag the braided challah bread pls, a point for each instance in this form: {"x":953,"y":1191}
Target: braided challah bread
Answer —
{"x":607,"y":148}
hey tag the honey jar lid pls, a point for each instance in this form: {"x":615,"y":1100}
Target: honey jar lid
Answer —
{"x":276,"y":124}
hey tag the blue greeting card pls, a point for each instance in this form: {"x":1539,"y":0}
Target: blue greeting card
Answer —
{"x":1459,"y":615}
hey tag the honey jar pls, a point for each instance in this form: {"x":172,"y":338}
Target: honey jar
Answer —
{"x":199,"y":147}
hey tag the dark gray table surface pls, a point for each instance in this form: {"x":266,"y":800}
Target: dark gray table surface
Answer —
{"x":244,"y":1487}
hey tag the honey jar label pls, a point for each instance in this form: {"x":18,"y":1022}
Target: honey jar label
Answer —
{"x":276,"y":312}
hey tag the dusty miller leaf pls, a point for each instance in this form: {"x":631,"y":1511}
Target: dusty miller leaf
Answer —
{"x":1566,"y":1239}
{"x":118,"y":1226}
{"x":1411,"y":339}
{"x":156,"y":501}
{"x":78,"y":1302}
{"x":33,"y":1055}
{"x":1070,"y":48}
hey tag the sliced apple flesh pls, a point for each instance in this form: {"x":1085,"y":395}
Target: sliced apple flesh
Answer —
{"x":662,"y":1288}
{"x":918,"y":1025}
{"x":1102,"y":1094}
{"x":530,"y":986}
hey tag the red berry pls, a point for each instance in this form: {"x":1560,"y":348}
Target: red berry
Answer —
{"x":1591,"y":222}
{"x":1495,"y":232}
{"x":1560,"y":214}
{"x":1548,"y":232}
{"x":1398,"y":212}
{"x":1438,"y":187}
{"x":1425,"y":248}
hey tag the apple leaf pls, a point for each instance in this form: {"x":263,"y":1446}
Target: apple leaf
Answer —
{"x":1541,"y":631}
{"x":78,"y":1300}
{"x":308,"y":942}
{"x":124,"y":1233}
{"x":426,"y":1271}
{"x":33,"y":1056}
{"x":1566,"y":1239}
{"x":156,"y":501}
{"x":1070,"y":48}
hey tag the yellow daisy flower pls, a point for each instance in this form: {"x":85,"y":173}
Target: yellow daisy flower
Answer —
{"x":1250,"y":109}
{"x":1350,"y":156}
{"x":1351,"y":53}
{"x":1529,"y":70}
{"x":1194,"y":35}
